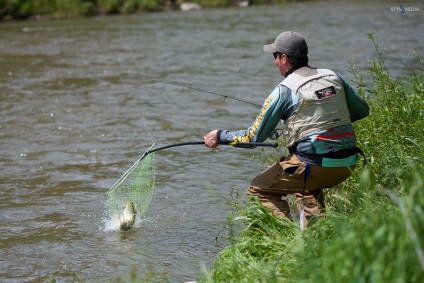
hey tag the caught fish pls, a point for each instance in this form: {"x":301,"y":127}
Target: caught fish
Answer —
{"x":127,"y":217}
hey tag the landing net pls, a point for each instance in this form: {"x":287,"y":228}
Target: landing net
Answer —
{"x":137,"y":185}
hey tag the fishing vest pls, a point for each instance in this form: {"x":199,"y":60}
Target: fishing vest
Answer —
{"x":321,"y":103}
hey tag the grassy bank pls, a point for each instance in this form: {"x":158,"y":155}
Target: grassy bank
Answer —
{"x":58,"y":9}
{"x":373,"y":229}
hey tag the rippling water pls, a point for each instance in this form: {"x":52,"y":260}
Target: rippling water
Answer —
{"x":76,"y":113}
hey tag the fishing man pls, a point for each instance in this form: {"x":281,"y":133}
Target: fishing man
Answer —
{"x":317,"y":108}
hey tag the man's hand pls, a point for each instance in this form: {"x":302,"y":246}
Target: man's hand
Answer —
{"x":211,"y":139}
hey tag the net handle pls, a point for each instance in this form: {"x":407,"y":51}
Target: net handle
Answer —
{"x":151,"y":150}
{"x":235,"y":144}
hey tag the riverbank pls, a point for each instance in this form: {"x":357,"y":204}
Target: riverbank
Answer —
{"x":53,"y":9}
{"x":372,"y":229}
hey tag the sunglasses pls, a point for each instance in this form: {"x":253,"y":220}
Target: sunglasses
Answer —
{"x":277,"y":54}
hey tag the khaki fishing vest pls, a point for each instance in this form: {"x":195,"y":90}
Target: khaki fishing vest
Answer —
{"x":321,"y":103}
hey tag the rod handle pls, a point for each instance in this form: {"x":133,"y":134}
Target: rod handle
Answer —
{"x":253,"y":144}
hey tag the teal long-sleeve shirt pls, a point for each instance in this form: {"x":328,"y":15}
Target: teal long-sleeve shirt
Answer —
{"x":281,"y":104}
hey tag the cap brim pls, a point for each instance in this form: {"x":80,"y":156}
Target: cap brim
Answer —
{"x":270,"y":48}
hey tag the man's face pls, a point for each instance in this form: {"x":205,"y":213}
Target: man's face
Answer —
{"x":280,"y":62}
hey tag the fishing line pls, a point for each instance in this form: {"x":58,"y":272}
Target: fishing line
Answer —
{"x":189,"y":87}
{"x":275,"y":134}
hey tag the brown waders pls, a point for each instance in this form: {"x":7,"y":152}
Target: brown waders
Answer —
{"x":287,"y":176}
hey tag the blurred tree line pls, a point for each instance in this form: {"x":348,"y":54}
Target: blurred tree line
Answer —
{"x":56,"y":9}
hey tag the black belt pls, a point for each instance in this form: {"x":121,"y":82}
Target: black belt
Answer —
{"x":317,"y":158}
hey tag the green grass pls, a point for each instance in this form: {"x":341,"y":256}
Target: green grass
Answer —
{"x":373,"y":227}
{"x":256,"y":254}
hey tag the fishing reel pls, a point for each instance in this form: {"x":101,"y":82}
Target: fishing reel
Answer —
{"x":275,"y":134}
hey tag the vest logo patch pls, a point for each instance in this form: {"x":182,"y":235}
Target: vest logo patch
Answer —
{"x":326,"y":92}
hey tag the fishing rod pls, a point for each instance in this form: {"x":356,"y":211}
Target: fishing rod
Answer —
{"x":192,"y":88}
{"x":151,"y":150}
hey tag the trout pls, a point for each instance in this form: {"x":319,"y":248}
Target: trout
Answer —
{"x":127,"y":217}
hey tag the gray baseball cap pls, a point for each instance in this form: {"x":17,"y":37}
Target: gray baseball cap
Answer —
{"x":289,"y":42}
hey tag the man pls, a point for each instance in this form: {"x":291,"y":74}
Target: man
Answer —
{"x":317,"y":108}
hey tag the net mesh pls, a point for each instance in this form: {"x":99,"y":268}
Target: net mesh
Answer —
{"x":137,"y":187}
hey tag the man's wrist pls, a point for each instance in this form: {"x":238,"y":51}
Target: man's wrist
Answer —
{"x":218,"y":135}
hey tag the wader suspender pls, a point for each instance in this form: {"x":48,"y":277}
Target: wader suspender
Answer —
{"x":305,"y":178}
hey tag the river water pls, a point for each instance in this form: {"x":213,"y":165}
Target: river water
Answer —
{"x":76,"y":112}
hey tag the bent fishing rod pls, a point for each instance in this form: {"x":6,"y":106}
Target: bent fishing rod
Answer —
{"x":190,"y":87}
{"x":152,"y":149}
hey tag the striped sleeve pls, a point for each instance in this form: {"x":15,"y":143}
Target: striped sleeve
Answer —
{"x":268,"y":118}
